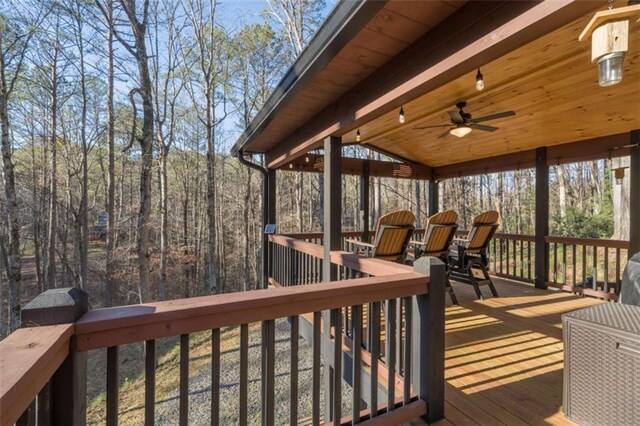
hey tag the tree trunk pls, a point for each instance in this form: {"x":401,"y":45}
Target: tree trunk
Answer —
{"x":621,"y":203}
{"x":50,"y":274}
{"x":562,"y":191}
{"x":111,"y":175}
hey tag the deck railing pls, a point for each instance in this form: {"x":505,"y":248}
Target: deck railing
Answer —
{"x":316,"y":312}
{"x":588,"y":266}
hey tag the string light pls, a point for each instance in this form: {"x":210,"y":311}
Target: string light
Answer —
{"x":306,"y":159}
{"x":401,"y":116}
{"x":358,"y":136}
{"x":479,"y":80}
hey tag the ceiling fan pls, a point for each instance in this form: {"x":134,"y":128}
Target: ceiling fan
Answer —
{"x":462,"y":122}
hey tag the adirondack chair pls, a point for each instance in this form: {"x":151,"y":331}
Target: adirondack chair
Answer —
{"x":470,"y":253}
{"x":391,"y":239}
{"x":438,"y":234}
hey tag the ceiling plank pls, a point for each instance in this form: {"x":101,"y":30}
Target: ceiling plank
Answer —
{"x":456,"y":46}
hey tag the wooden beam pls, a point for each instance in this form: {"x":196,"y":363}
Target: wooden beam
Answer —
{"x":586,"y":150}
{"x":477,"y":33}
{"x":355,"y":166}
{"x":542,"y":218}
{"x":634,"y":194}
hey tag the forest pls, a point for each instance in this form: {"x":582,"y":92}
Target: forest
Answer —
{"x":117,"y":117}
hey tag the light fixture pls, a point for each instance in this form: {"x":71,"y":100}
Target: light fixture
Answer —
{"x":460,"y":131}
{"x":609,"y":32}
{"x":306,"y":159}
{"x":358,"y":135}
{"x":619,"y":175}
{"x":291,"y":165}
{"x":479,"y":80}
{"x":401,"y":116}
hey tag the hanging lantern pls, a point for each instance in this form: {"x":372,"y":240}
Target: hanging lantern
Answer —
{"x":619,"y":175}
{"x":609,"y":33}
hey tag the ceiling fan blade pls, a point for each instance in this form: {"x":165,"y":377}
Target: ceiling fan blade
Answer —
{"x":494,"y":116}
{"x":456,"y":117}
{"x":431,"y":127}
{"x":484,"y":128}
{"x":444,"y":134}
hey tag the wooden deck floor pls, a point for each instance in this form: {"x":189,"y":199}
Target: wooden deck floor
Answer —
{"x":504,"y":359}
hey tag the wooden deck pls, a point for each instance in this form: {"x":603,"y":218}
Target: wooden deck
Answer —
{"x":504,"y":358}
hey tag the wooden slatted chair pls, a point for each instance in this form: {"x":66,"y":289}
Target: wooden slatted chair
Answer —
{"x":438,"y":235}
{"x":391,"y":240}
{"x":469,"y":254}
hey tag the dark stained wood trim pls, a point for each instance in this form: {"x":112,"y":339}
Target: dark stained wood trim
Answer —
{"x":590,"y":149}
{"x":355,"y":166}
{"x":434,"y":197}
{"x":365,"y":185}
{"x":542,"y":218}
{"x":332,"y":204}
{"x":634,"y":194}
{"x":477,"y":33}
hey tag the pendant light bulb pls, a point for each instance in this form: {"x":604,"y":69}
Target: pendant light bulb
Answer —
{"x":401,"y":116}
{"x":358,"y":135}
{"x":479,"y":80}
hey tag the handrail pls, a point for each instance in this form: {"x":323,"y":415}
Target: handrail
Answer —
{"x":609,"y":243}
{"x":28,"y":359}
{"x":103,"y":328}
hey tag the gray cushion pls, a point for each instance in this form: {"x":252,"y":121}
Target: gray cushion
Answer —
{"x":630,"y":287}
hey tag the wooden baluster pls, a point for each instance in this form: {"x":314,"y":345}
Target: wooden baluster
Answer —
{"x":293,"y":390}
{"x":407,"y":351}
{"x":584,"y":266}
{"x":555,"y":262}
{"x":573,"y":260}
{"x":529,"y":259}
{"x":337,"y":366}
{"x":315,"y":385}
{"x":374,"y":320}
{"x":521,"y":259}
{"x":28,"y":418}
{"x":399,"y":346}
{"x":501,"y":250}
{"x":595,"y":267}
{"x":564,"y":264}
{"x":150,"y":382}
{"x":356,"y":334}
{"x":112,"y":385}
{"x":43,"y":405}
{"x":508,"y":259}
{"x":244,"y":372}
{"x":606,"y":270}
{"x":390,"y":351}
{"x":184,"y":379}
{"x":618,"y":267}
{"x":270,"y":373}
{"x":494,"y":243}
{"x":215,"y":377}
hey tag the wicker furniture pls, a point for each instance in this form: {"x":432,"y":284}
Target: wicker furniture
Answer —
{"x":602,"y":365}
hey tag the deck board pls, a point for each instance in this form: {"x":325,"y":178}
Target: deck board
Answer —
{"x":503,"y":361}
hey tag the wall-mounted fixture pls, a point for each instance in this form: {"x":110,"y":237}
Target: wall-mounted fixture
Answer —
{"x":401,"y":116}
{"x":479,"y":80}
{"x":619,"y":174}
{"x":358,"y":135}
{"x":609,"y":33}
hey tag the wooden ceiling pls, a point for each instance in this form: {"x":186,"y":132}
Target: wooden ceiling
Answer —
{"x":550,"y":83}
{"x":397,"y":25}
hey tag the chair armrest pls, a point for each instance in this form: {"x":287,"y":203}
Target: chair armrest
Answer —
{"x":360,"y":243}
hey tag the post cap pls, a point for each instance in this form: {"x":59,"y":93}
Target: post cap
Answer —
{"x":55,"y":306}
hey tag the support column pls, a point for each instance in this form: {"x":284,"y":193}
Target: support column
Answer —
{"x":542,"y":218}
{"x":364,"y":199}
{"x":434,"y":196}
{"x":332,"y":229}
{"x":269,"y":212}
{"x":634,"y":194}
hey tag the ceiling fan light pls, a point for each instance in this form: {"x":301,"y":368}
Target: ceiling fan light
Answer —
{"x":460,"y":131}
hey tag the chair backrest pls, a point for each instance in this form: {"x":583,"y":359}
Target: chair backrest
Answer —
{"x":393,"y":233}
{"x":482,"y":230}
{"x":439,"y":233}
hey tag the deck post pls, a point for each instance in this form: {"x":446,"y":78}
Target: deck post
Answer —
{"x":66,"y":394}
{"x":634,"y":194}
{"x":332,"y":229}
{"x":542,"y":218}
{"x":270,"y":218}
{"x":427,"y":323}
{"x":365,"y":182}
{"x":434,"y":196}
